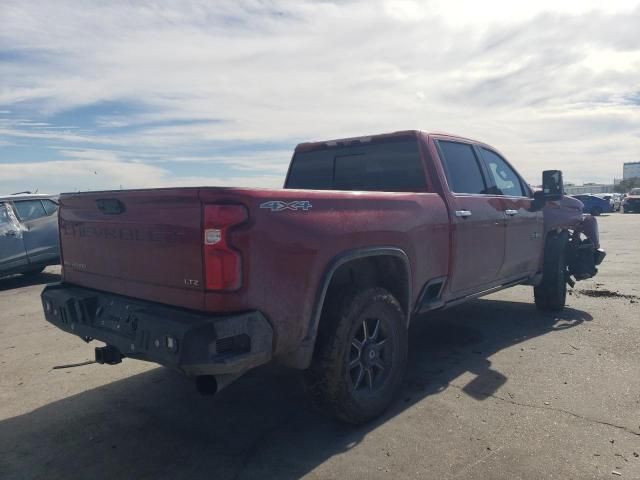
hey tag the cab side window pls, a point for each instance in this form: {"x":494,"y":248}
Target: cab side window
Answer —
{"x":504,"y":178}
{"x":29,"y":209}
{"x":462,"y":168}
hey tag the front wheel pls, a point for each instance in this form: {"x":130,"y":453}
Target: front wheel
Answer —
{"x":551,"y":294}
{"x":596,"y":211}
{"x":361,"y":356}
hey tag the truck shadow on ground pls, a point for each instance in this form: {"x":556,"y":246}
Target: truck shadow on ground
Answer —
{"x":154,"y":425}
{"x":19,"y":281}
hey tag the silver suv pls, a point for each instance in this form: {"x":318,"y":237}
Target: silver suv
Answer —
{"x":28,"y":233}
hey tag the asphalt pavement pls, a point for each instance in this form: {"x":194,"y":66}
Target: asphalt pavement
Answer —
{"x":495,"y":390}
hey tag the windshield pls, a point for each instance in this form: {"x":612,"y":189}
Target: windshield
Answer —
{"x":635,"y":191}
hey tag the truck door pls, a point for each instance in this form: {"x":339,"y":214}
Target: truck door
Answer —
{"x":478,"y":222}
{"x":12,"y":252}
{"x":524,"y":229}
{"x":41,"y":234}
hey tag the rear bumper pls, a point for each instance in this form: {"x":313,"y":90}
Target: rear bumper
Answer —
{"x":197,"y":344}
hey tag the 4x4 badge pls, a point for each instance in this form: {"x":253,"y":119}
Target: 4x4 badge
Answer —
{"x":279,"y":205}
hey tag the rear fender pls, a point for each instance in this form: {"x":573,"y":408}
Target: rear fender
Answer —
{"x":301,"y":358}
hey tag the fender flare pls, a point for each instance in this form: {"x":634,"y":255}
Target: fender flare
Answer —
{"x":301,"y":358}
{"x":344,"y":258}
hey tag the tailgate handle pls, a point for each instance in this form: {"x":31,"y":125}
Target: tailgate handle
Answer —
{"x":110,"y":206}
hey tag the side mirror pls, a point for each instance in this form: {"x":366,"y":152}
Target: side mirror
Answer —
{"x":552,"y":185}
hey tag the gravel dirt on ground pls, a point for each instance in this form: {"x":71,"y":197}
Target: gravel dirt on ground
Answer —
{"x":495,"y":390}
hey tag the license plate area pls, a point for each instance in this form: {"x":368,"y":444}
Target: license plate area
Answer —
{"x":116,"y":319}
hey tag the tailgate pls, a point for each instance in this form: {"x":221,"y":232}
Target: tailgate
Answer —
{"x":141,"y":243}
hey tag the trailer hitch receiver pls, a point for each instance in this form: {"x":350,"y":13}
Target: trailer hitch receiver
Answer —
{"x":108,"y":355}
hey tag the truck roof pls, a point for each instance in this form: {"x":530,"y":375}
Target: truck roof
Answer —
{"x":306,"y":146}
{"x":26,"y":196}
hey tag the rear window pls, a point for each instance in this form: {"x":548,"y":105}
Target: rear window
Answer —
{"x":392,"y":166}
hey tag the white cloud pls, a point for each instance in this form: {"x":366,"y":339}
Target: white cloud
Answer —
{"x":71,"y":175}
{"x":544,"y":81}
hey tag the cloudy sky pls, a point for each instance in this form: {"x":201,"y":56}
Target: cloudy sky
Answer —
{"x":98,"y":95}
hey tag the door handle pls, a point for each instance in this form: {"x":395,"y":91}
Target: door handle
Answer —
{"x":511,"y":213}
{"x":463,"y":213}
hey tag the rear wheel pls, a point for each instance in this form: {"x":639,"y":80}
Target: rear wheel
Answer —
{"x":551,"y":294}
{"x":360,"y":358}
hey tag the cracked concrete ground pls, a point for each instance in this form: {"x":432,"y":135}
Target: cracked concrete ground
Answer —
{"x":495,"y":390}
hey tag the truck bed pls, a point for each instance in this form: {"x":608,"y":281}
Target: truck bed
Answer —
{"x":148,"y":245}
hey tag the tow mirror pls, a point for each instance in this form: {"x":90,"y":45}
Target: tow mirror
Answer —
{"x":552,"y":186}
{"x":552,"y":189}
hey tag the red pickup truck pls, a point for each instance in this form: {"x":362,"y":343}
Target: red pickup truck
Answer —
{"x":324,"y":275}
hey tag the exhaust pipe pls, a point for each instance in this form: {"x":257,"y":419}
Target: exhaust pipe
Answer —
{"x":207,"y":384}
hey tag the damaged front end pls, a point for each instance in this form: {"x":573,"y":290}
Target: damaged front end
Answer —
{"x":583,"y":253}
{"x":9,"y":224}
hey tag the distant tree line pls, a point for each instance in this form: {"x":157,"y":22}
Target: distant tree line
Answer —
{"x":627,"y":184}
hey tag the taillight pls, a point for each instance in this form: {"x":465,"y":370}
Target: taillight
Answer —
{"x":222,"y":264}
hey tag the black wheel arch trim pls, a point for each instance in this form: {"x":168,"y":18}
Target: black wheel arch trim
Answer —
{"x":349,"y":256}
{"x":301,"y":357}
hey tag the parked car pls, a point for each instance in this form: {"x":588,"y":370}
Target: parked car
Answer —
{"x":324,"y":275}
{"x":631,"y":203}
{"x":594,"y":205}
{"x":617,"y":201}
{"x":614,"y":202}
{"x":28,"y":233}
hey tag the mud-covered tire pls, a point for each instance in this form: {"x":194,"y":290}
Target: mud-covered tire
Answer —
{"x":334,"y":379}
{"x":551,"y":293}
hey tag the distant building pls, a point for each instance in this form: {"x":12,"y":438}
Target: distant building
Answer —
{"x":631,"y":170}
{"x":571,"y":189}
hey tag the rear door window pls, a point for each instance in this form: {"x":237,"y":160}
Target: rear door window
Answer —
{"x":393,"y":166}
{"x":29,"y":209}
{"x":504,"y":177}
{"x":50,"y":206}
{"x":462,"y":168}
{"x":4,"y":215}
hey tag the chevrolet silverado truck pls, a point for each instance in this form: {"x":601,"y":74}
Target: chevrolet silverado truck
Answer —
{"x":324,"y":275}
